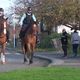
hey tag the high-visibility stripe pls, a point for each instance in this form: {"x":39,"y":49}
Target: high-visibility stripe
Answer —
{"x":5,"y":28}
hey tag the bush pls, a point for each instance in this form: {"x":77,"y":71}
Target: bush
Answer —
{"x":46,"y":40}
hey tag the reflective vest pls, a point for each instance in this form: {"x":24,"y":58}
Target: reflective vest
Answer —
{"x":28,"y":19}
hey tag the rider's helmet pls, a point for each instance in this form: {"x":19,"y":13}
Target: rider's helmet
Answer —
{"x":29,"y":10}
{"x":1,"y":11}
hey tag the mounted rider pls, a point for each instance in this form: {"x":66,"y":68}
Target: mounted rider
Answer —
{"x":2,"y":17}
{"x":26,"y":20}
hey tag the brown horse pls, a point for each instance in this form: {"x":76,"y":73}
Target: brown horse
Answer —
{"x":29,"y":43}
{"x":3,"y":27}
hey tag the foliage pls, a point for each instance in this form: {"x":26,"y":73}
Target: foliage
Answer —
{"x":54,"y":13}
{"x":46,"y":40}
{"x":57,"y":12}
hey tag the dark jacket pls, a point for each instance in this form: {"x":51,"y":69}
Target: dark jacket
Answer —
{"x":64,"y":39}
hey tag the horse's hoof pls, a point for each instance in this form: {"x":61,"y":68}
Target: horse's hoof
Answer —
{"x":30,"y":62}
{"x":3,"y":62}
{"x":25,"y":60}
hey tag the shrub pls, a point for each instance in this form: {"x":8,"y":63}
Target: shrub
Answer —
{"x":46,"y":40}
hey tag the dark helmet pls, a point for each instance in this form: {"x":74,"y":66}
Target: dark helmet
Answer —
{"x":1,"y":9}
{"x":29,"y":9}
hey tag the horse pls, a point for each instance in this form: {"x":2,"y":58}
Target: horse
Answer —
{"x":29,"y":43}
{"x":3,"y":29}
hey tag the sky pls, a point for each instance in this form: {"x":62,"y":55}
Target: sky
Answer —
{"x":5,"y":4}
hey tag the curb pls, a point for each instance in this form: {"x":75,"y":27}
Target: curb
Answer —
{"x":53,"y":61}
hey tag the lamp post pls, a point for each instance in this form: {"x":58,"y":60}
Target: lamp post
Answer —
{"x":15,"y":20}
{"x":14,"y":36}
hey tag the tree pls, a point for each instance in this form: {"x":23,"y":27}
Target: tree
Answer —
{"x":55,"y":12}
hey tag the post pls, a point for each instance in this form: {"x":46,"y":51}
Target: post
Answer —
{"x":15,"y":20}
{"x":14,"y":34}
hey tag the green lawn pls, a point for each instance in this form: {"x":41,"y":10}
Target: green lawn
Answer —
{"x":50,"y":73}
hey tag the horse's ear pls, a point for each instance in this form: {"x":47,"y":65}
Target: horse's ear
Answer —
{"x":35,"y":22}
{"x":6,"y":18}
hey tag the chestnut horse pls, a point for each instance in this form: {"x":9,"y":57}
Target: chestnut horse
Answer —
{"x":29,"y":43}
{"x":3,"y":27}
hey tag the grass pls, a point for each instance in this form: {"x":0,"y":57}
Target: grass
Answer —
{"x":50,"y":73}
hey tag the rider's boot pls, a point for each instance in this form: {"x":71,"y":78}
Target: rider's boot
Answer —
{"x":37,"y":40}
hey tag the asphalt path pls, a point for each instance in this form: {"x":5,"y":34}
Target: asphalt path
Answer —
{"x":15,"y":61}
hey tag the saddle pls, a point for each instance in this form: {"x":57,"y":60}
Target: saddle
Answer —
{"x":24,"y":29}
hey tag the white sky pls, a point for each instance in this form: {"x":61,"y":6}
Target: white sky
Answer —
{"x":5,"y":4}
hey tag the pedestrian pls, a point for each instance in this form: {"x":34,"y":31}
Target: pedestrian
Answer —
{"x":64,"y":42}
{"x":75,"y":39}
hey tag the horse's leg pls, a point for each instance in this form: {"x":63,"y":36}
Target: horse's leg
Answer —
{"x":0,"y":53}
{"x":29,"y":51}
{"x":24,"y":52}
{"x":31,"y":58}
{"x":32,"y":53}
{"x":3,"y":54}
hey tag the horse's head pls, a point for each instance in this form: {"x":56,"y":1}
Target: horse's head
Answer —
{"x":34,"y":27}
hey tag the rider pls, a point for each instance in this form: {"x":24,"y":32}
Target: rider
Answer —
{"x":3,"y":17}
{"x":26,"y":21}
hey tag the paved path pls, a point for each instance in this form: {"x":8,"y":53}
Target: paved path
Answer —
{"x":15,"y":61}
{"x":42,"y":59}
{"x":58,"y":60}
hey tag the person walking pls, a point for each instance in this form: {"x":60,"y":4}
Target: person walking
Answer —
{"x":64,"y":42}
{"x":75,"y":39}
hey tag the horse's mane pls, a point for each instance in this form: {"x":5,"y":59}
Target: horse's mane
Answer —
{"x":1,"y":24}
{"x":2,"y":20}
{"x":31,"y":27}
